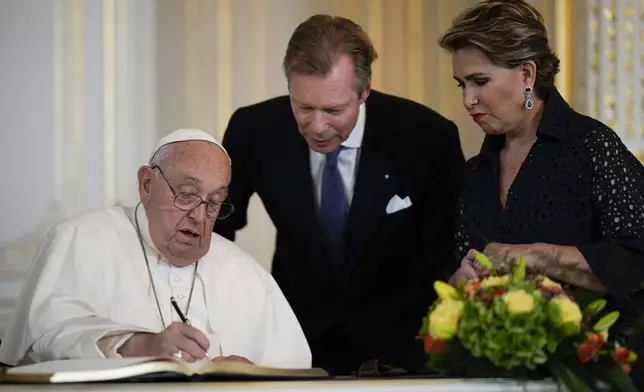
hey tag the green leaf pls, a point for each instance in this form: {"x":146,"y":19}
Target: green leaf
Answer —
{"x":445,"y":291}
{"x":564,"y":375}
{"x":518,"y":270}
{"x":632,"y":357}
{"x":606,"y":322}
{"x":554,"y":314}
{"x":594,"y":308}
{"x":485,"y":262}
{"x":424,"y":328}
{"x":540,"y":358}
{"x":571,"y":329}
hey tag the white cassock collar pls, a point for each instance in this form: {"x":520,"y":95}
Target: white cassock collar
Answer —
{"x":153,"y":253}
{"x":144,"y":228}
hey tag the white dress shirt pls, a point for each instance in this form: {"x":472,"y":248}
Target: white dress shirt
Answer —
{"x":347,"y":160}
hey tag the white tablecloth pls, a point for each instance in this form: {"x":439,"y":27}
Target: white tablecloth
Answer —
{"x":400,"y":385}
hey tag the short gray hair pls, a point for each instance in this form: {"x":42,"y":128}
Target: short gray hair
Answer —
{"x":161,"y":156}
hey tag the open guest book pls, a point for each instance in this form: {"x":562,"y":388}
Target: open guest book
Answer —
{"x":147,"y":369}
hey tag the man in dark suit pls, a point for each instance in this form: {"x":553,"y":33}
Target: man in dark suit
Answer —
{"x":362,"y":188}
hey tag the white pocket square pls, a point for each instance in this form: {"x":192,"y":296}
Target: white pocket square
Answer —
{"x":396,"y":204}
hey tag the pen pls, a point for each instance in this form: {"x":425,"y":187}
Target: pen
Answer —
{"x":181,"y":316}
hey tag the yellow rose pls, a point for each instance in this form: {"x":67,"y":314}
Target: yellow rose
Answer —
{"x":518,"y":301}
{"x":547,"y":283}
{"x":495,"y":281}
{"x":569,"y":312}
{"x":443,"y":321}
{"x":445,"y":291}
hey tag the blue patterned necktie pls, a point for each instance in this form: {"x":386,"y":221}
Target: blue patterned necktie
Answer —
{"x":333,"y":203}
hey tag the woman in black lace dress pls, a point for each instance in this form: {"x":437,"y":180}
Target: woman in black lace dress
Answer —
{"x":551,"y":184}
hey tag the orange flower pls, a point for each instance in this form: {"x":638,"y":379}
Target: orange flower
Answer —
{"x":622,"y":355}
{"x":586,"y":352}
{"x":595,"y":340}
{"x":498,"y":292}
{"x":471,"y":287}
{"x":434,"y":346}
{"x":626,"y":368}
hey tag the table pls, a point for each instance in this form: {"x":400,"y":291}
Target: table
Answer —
{"x":381,"y":385}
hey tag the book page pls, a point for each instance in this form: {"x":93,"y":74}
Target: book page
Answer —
{"x":194,"y":367}
{"x":239,"y":368}
{"x":75,"y":365}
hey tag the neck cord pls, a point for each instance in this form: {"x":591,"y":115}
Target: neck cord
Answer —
{"x":147,"y":263}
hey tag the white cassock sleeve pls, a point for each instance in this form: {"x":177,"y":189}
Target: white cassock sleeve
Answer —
{"x":58,"y":315}
{"x":280,"y":339}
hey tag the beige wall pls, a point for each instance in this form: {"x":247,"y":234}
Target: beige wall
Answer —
{"x":218,"y":55}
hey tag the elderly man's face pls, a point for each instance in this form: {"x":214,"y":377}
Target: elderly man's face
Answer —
{"x":326,"y":108}
{"x":192,"y":168}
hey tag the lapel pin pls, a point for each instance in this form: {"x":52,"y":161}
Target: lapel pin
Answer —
{"x":386,"y":176}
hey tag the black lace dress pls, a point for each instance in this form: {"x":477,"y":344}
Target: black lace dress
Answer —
{"x":579,"y":186}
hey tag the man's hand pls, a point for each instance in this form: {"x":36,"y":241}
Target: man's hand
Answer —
{"x":181,"y":338}
{"x":232,"y":358}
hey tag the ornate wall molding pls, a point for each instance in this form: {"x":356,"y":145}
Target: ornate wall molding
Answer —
{"x":614,"y":72}
{"x":129,"y":72}
{"x":564,"y":41}
{"x":104,"y":115}
{"x":68,"y":128}
{"x":69,"y":103}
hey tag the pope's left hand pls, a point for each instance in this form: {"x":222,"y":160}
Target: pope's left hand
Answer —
{"x":504,"y":255}
{"x":232,"y":358}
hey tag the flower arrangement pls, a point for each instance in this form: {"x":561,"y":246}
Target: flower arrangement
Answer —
{"x":513,"y":326}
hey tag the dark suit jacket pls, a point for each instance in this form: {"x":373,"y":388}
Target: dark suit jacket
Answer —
{"x":370,"y":304}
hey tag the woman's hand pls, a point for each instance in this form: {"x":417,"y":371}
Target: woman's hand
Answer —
{"x":537,"y":256}
{"x":562,"y":263}
{"x":470,"y":269}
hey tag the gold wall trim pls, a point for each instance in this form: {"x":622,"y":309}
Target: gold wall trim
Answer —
{"x":59,"y":96}
{"x":203,"y":61}
{"x":639,"y":155}
{"x":225,"y":64}
{"x":123,"y":96}
{"x":415,"y":51}
{"x":564,"y":44}
{"x":209,"y":62}
{"x":69,"y":102}
{"x":259,"y":51}
{"x":192,"y":61}
{"x":375,"y":31}
{"x":109,"y":100}
{"x":78,"y":129}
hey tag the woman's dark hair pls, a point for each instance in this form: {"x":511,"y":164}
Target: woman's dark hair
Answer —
{"x":509,"y":33}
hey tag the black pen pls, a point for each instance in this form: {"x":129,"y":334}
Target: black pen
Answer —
{"x":181,"y":316}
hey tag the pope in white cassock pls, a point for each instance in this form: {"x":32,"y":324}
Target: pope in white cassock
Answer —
{"x":102,"y":281}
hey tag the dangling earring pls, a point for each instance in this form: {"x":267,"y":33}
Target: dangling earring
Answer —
{"x":527,"y":91}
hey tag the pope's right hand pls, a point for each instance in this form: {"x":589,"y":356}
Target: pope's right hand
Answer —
{"x":177,"y":339}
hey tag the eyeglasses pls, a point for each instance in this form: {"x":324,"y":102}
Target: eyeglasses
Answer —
{"x":190,"y":201}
